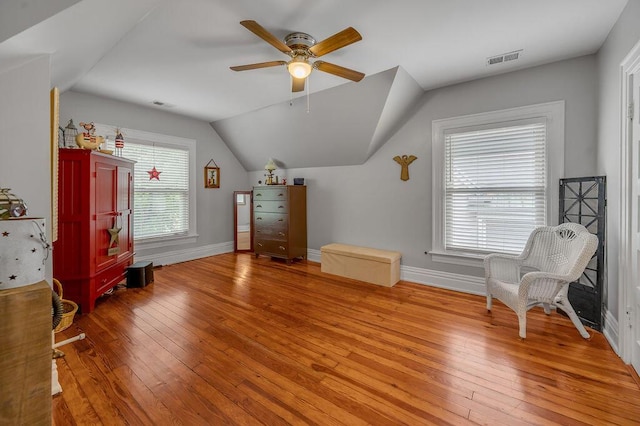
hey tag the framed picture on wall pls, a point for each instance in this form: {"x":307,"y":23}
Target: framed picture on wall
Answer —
{"x":211,"y":177}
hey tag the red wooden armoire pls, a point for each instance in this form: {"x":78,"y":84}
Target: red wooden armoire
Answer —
{"x":95,"y":224}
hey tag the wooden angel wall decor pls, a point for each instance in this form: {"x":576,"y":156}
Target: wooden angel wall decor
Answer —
{"x":404,"y":162}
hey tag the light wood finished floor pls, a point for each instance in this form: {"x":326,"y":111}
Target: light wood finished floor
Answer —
{"x":232,"y":339}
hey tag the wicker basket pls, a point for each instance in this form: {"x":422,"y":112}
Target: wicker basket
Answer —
{"x":69,"y":309}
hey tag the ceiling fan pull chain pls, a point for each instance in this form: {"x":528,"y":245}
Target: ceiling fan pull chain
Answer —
{"x":290,"y":93}
{"x":308,"y":84}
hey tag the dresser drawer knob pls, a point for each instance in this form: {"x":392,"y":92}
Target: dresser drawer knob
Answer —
{"x":259,"y":244}
{"x":282,"y":248}
{"x":258,"y":218}
{"x":281,"y":207}
{"x":281,"y":234}
{"x":280,"y":220}
{"x":258,"y":194}
{"x":258,"y":206}
{"x":281,"y":195}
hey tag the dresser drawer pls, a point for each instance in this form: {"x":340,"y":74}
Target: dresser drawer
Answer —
{"x":275,"y":193}
{"x":275,"y":248}
{"x":270,"y":206}
{"x":272,"y":233}
{"x":110,"y":277}
{"x":271,"y":225}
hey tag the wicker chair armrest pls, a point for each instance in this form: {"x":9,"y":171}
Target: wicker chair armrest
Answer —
{"x":504,"y":256}
{"x":502,"y":266}
{"x":530,"y":278}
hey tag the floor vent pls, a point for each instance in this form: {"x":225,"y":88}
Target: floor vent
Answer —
{"x":505,"y":57}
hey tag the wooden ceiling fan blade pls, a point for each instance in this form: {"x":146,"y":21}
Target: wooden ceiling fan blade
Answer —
{"x":258,"y":65}
{"x":258,"y":30}
{"x":297,"y":84}
{"x":338,"y":70}
{"x":335,"y":42}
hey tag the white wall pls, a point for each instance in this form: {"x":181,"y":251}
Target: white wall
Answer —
{"x":25,"y":142}
{"x":16,"y":16}
{"x":624,"y":35}
{"x":369,"y":204}
{"x":214,"y":206}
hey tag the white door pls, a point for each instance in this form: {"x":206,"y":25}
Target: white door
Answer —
{"x":633,"y":308}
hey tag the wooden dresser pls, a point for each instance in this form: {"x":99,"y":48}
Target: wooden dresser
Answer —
{"x":280,"y":221}
{"x":95,"y":224}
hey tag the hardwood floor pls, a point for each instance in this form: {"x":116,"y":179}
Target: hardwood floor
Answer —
{"x":232,"y":339}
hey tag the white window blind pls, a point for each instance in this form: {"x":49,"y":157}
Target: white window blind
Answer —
{"x":161,"y":206}
{"x":494,"y":192}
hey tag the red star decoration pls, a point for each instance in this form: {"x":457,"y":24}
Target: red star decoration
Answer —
{"x":154,"y":174}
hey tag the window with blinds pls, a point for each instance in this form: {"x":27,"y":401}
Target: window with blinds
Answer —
{"x":161,"y":205}
{"x":495,"y":181}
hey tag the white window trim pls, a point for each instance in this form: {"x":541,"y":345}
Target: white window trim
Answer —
{"x":190,"y":144}
{"x":553,"y":112}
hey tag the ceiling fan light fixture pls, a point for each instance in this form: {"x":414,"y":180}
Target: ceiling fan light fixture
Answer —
{"x":299,"y":68}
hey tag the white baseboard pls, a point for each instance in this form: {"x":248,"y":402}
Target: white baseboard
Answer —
{"x":448,"y":280}
{"x":313,"y":255}
{"x":176,"y":256}
{"x":610,"y":330}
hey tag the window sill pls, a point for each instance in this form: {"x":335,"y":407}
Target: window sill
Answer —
{"x":458,"y":258}
{"x":152,"y":243}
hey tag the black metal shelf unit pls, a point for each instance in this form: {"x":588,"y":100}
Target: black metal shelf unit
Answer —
{"x":583,"y":200}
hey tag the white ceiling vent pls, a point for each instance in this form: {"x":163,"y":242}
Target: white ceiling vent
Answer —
{"x":505,"y":57}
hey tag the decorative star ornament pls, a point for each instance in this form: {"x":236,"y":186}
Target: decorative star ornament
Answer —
{"x":114,"y":233}
{"x":154,"y":174}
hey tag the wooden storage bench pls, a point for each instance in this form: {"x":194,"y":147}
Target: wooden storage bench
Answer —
{"x":381,"y":267}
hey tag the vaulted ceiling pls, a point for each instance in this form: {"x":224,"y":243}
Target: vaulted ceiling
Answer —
{"x":179,"y":52}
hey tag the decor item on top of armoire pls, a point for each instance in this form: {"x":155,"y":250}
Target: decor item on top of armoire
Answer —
{"x":280,"y":221}
{"x":88,"y":138}
{"x":583,"y":200}
{"x":211,"y":175}
{"x":119,"y":142}
{"x":404,"y":162}
{"x":95,"y":244}
{"x":69,"y":133}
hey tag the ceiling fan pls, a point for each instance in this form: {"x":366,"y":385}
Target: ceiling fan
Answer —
{"x":301,"y":47}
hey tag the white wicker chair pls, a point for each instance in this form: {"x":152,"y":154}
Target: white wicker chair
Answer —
{"x":552,"y":258}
